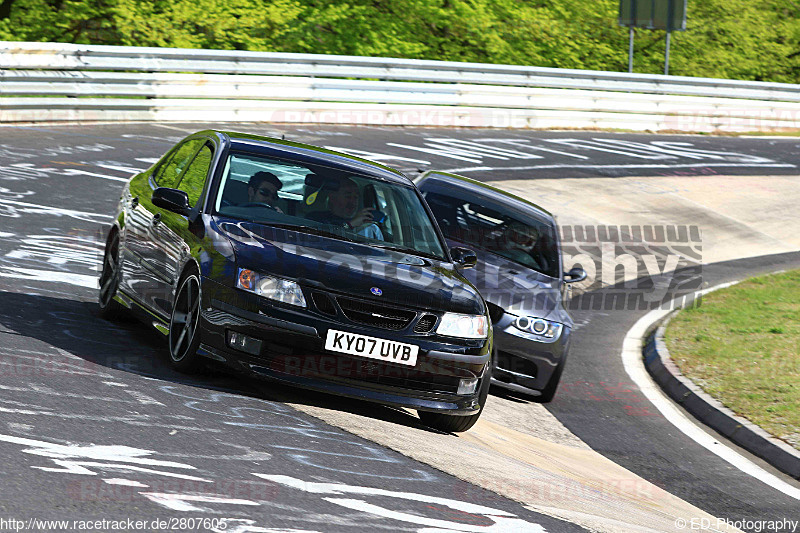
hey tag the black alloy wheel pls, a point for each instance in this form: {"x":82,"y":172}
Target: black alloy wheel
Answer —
{"x":184,"y":338}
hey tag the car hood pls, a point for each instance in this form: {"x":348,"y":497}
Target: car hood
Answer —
{"x":517,"y":289}
{"x":351,"y":268}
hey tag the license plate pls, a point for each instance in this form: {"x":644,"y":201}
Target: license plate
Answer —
{"x":371,"y":347}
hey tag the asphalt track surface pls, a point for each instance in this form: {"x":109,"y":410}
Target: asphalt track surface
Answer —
{"x":93,"y":424}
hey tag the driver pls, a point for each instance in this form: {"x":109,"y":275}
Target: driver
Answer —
{"x":343,"y":210}
{"x":518,"y":242}
{"x":263,"y":188}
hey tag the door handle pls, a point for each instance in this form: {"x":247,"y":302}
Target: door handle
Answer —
{"x":134,"y":201}
{"x":156,"y":218}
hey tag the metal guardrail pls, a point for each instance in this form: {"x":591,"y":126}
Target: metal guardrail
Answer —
{"x":56,"y":81}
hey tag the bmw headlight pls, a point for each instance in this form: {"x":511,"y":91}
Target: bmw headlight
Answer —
{"x":538,"y":326}
{"x":280,"y":290}
{"x":463,"y":326}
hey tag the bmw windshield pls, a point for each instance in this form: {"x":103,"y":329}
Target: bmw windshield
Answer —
{"x":326,"y":201}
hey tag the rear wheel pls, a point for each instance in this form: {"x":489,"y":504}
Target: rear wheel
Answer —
{"x":109,"y":279}
{"x":458,"y":424}
{"x":184,"y":337}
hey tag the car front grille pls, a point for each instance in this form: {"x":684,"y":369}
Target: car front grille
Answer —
{"x":371,"y":314}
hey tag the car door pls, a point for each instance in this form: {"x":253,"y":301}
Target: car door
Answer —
{"x":173,"y":235}
{"x":148,"y":282}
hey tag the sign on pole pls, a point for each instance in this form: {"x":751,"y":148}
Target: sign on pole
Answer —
{"x":669,"y":15}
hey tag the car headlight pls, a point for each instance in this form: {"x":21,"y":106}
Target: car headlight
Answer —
{"x":280,"y":290}
{"x":538,"y":326}
{"x":463,"y":326}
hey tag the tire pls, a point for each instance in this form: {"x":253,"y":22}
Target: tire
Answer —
{"x":108,"y":307}
{"x":184,"y":337}
{"x":454,"y":423}
{"x":549,"y":391}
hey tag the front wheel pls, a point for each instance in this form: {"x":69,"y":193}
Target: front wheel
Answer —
{"x":549,"y":391}
{"x":458,"y":424}
{"x":184,"y":337}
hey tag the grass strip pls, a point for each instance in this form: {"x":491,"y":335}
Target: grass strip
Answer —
{"x":741,"y":345}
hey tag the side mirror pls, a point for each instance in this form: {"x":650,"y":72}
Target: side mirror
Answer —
{"x":464,"y":257}
{"x":172,"y":200}
{"x":575,"y":275}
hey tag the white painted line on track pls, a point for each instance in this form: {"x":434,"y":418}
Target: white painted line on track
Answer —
{"x":174,"y":128}
{"x":55,"y":210}
{"x":78,"y":172}
{"x":688,"y":165}
{"x":634,"y":366}
{"x":126,"y":483}
{"x":130,"y":170}
{"x":50,"y":275}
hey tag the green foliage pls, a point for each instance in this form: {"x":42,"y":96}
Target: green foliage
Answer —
{"x":740,"y":39}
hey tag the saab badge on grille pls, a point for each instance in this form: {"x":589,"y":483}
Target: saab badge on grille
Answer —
{"x":376,"y":291}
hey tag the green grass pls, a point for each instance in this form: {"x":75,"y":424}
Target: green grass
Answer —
{"x":742,"y":346}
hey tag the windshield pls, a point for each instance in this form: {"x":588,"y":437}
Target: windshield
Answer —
{"x":482,"y":223}
{"x":325,"y":201}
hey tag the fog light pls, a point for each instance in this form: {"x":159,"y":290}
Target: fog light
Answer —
{"x":244,"y":343}
{"x":467,"y":386}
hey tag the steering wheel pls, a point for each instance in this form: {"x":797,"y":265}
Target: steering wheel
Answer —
{"x":258,"y":204}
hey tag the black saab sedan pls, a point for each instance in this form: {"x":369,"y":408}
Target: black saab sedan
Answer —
{"x":295,"y":263}
{"x":519,"y":274}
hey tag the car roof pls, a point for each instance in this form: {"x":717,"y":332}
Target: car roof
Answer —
{"x":464,"y":183}
{"x":306,"y":153}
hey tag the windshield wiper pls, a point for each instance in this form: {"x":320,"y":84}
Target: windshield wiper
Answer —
{"x":309,"y":229}
{"x":404,"y":249}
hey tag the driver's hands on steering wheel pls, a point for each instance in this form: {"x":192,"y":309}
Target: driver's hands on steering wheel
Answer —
{"x":262,"y":204}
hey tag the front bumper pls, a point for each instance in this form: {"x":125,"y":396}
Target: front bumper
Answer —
{"x":525,"y":362}
{"x":292,"y":351}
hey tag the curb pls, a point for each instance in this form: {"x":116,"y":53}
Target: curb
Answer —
{"x":710,"y":411}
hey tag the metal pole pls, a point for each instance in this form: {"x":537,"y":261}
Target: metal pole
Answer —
{"x":630,"y":52}
{"x":670,"y":25}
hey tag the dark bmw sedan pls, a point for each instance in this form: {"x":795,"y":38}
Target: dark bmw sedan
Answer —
{"x":299,"y":264}
{"x":519,"y":273}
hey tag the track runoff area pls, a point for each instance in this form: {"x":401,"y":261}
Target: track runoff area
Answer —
{"x":96,"y":427}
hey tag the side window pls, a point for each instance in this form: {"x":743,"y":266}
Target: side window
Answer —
{"x":194,"y":178}
{"x":168,"y":173}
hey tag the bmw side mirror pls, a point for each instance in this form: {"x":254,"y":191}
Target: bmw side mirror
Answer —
{"x":172,"y":200}
{"x":575,"y":275}
{"x":464,"y":257}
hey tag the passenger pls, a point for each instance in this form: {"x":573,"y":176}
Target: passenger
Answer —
{"x":343,"y":201}
{"x":263,"y":188}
